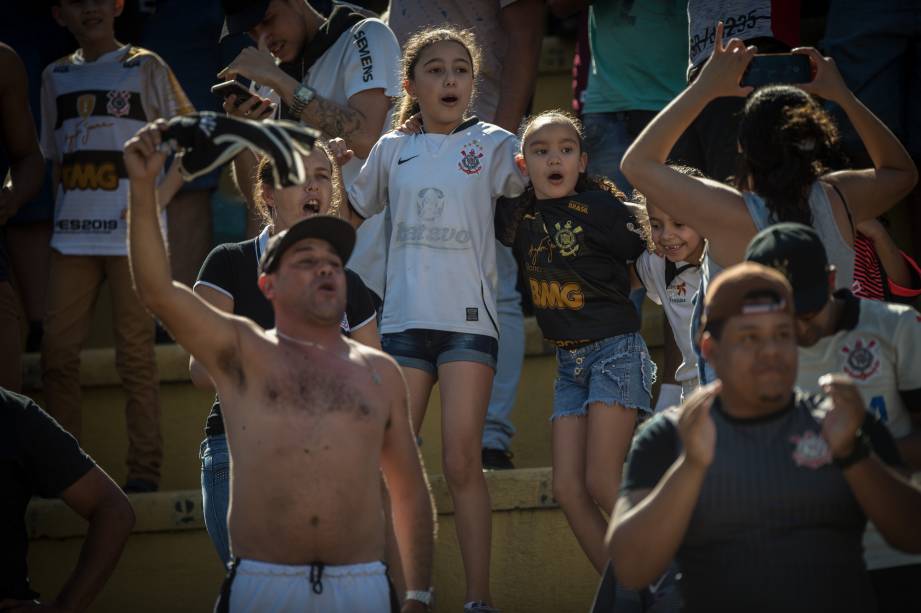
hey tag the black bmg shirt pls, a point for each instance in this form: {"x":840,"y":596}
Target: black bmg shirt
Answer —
{"x":37,"y":458}
{"x":574,"y":252}
{"x":233,"y":269}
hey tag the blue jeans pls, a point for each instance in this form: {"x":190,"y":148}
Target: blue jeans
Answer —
{"x":613,"y":370}
{"x":498,"y":430}
{"x":215,"y":492}
{"x":705,"y":372}
{"x":607,"y":137}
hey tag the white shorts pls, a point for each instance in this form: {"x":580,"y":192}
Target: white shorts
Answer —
{"x":263,"y":587}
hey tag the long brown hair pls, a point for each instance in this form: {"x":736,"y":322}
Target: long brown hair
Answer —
{"x":788,"y":141}
{"x":414,"y":47}
{"x":265,"y":180}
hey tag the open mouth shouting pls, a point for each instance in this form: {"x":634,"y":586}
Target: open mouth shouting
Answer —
{"x":449,"y":99}
{"x":326,"y":286}
{"x":312,"y":207}
{"x":555,"y":178}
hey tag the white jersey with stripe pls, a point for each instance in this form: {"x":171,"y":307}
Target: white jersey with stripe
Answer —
{"x":677,"y":300}
{"x":878,"y":344}
{"x":442,"y":191}
{"x":89,"y":110}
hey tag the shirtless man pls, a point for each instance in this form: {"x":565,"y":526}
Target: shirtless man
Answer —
{"x":311,"y":418}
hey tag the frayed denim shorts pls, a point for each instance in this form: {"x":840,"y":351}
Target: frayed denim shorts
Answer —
{"x":614,"y":370}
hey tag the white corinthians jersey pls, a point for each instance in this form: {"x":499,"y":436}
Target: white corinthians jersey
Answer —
{"x":673,"y":286}
{"x":878,"y":344}
{"x":442,"y":191}
{"x":89,"y":110}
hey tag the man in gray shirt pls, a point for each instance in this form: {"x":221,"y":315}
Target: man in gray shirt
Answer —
{"x":759,"y":492}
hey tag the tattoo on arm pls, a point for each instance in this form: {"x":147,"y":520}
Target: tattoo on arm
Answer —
{"x":333,"y":119}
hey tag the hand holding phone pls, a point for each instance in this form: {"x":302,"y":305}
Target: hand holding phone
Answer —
{"x":777,"y":68}
{"x":225,"y":89}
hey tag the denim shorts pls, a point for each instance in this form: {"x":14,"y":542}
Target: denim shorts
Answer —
{"x":614,"y":370}
{"x":428,"y":349}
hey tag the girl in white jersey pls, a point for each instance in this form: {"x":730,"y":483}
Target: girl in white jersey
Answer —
{"x":439,"y":315}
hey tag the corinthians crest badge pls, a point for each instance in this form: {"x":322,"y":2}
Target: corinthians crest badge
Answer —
{"x":471,"y":161}
{"x":811,"y":450}
{"x":861,"y":359}
{"x":566,"y":238}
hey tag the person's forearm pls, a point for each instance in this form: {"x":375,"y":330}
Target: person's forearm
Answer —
{"x":109,"y":529}
{"x":891,"y":502}
{"x":883,"y":147}
{"x":170,"y":186}
{"x":415,"y":531}
{"x":523,"y":27}
{"x":643,"y":541}
{"x":334,"y":120}
{"x":655,"y":142}
{"x":147,"y":253}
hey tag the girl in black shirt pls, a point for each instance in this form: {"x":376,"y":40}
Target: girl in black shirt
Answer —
{"x":573,"y":239}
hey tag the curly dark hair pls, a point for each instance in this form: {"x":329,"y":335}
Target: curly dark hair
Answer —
{"x":788,"y":141}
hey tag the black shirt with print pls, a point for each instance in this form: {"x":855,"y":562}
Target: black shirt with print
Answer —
{"x":573,"y":253}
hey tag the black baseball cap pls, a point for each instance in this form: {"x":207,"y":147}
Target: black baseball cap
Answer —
{"x":796,"y":251}
{"x":334,"y":230}
{"x":242,"y":15}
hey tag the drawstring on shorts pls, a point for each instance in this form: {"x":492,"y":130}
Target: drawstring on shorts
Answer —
{"x":316,"y":577}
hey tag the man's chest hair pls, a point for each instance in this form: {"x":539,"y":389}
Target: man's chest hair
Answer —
{"x":318,"y":391}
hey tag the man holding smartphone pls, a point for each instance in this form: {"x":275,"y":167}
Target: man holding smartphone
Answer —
{"x":335,"y":74}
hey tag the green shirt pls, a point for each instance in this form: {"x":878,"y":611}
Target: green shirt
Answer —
{"x":639,"y":54}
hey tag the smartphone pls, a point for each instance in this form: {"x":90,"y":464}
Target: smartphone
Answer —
{"x":777,"y":68}
{"x":235,"y":86}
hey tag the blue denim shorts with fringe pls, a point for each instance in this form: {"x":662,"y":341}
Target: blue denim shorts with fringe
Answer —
{"x":614,"y":370}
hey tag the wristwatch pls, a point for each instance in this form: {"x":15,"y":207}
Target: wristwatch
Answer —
{"x":302,"y":97}
{"x":862,"y":449}
{"x":425,"y":597}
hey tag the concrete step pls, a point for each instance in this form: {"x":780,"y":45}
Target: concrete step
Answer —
{"x":169,"y":563}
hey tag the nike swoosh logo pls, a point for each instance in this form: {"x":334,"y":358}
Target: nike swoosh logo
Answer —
{"x":402,"y":160}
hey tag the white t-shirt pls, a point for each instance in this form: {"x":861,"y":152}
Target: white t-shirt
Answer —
{"x":89,"y":110}
{"x":366,"y":56}
{"x":677,"y":303}
{"x":441,"y":190}
{"x":879,"y":347}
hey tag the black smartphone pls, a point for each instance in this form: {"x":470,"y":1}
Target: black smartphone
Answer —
{"x":225,"y":88}
{"x":777,"y":68}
